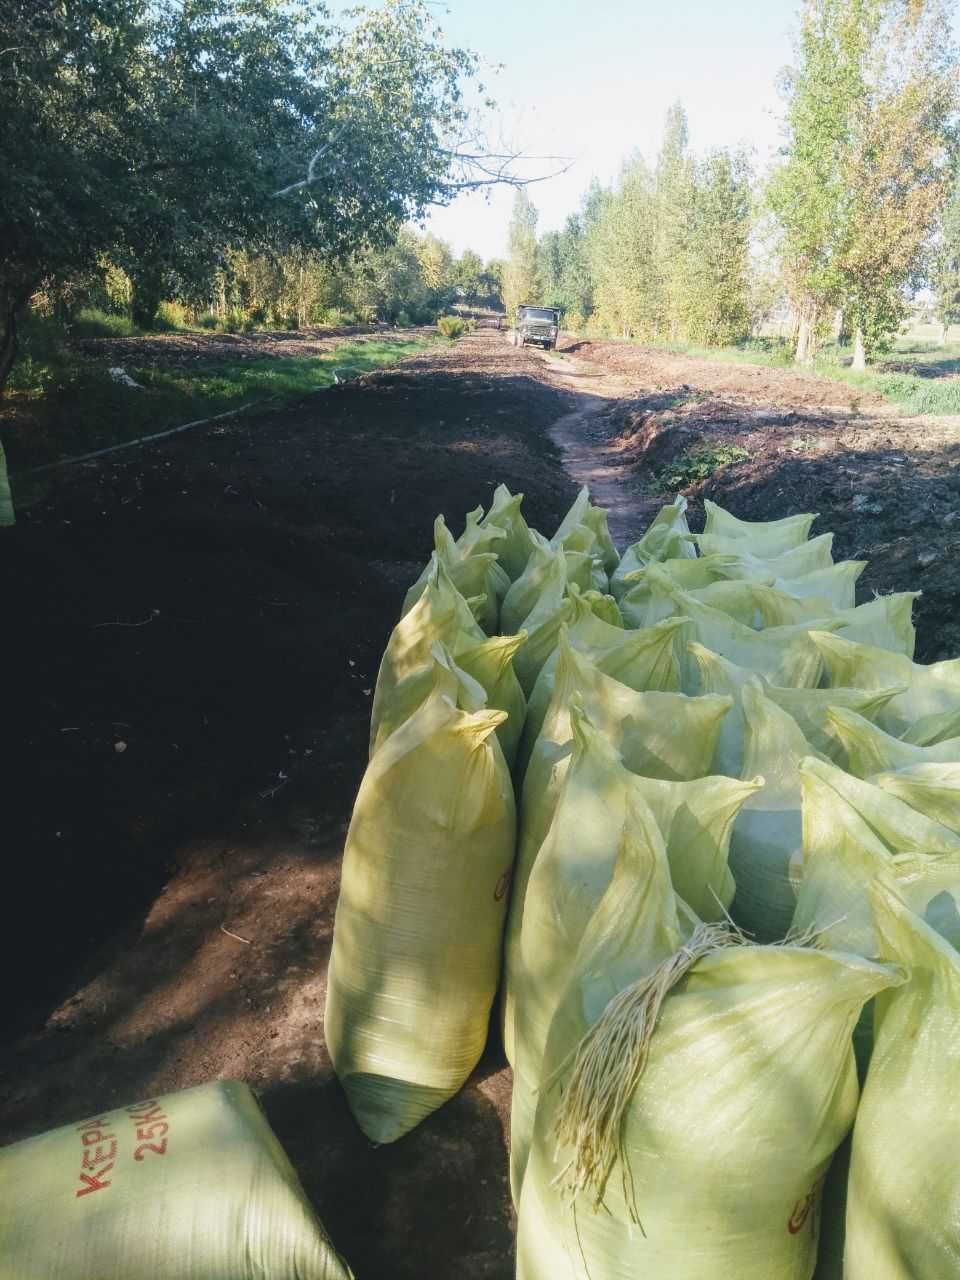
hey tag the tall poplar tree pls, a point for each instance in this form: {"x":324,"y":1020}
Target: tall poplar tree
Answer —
{"x":520,"y":269}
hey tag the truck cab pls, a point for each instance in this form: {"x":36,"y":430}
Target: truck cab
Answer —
{"x":537,"y":324}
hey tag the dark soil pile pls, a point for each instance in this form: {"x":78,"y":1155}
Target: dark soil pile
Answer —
{"x":192,"y":636}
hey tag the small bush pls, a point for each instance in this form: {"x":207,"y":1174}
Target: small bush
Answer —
{"x":403,"y":321}
{"x":91,"y":322}
{"x":171,"y":317}
{"x":208,"y":320}
{"x":699,"y":463}
{"x":450,"y":327}
{"x":573,"y":321}
{"x":236,"y":322}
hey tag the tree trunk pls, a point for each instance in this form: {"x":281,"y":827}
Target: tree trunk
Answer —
{"x":147,"y":296}
{"x":807,"y":332}
{"x":8,"y":354}
{"x":8,"y":338}
{"x":859,"y":352}
{"x":943,"y":336}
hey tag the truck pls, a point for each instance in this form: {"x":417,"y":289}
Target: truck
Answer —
{"x":536,"y":324}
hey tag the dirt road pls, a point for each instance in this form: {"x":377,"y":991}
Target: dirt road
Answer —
{"x":193,"y":632}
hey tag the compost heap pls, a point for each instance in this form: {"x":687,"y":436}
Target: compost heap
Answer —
{"x":696,"y":815}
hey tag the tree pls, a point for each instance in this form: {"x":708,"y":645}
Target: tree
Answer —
{"x":899,"y":175}
{"x":468,"y":277}
{"x":168,"y":133}
{"x":623,"y":254}
{"x":863,"y":179}
{"x":713,"y":287}
{"x":946,"y":273}
{"x":675,"y":199}
{"x":520,"y":269}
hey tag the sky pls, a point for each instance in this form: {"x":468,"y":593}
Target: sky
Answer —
{"x":592,"y":80}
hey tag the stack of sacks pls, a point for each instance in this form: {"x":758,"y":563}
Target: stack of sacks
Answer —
{"x":737,"y":822}
{"x":416,"y":955}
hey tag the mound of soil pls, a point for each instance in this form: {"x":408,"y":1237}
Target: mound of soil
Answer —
{"x":659,"y":370}
{"x":193,"y":633}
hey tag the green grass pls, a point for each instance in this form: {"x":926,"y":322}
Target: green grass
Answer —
{"x":73,"y":407}
{"x":890,"y":376}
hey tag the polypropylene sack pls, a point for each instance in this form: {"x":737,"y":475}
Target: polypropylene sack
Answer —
{"x":793,"y":563}
{"x":931,"y":729}
{"x":931,"y":789}
{"x":417,"y":937}
{"x":442,"y":671}
{"x":762,"y":537}
{"x":696,"y":1091}
{"x":441,"y":614}
{"x":837,"y":583}
{"x":600,"y":804}
{"x":186,"y":1186}
{"x":543,"y":625}
{"x":808,"y":707}
{"x":515,"y":547}
{"x":738,"y":600}
{"x":545,"y":569}
{"x":852,"y":831}
{"x":864,"y":749}
{"x":665,"y":735}
{"x":767,"y":832}
{"x":928,"y":690}
{"x":635,"y":588}
{"x":598,"y":800}
{"x":644,"y":659}
{"x":491,"y":665}
{"x":474,"y":573}
{"x":886,"y":623}
{"x":903,"y":1208}
{"x":583,"y":515}
{"x":667,"y":538}
{"x":784,"y":655}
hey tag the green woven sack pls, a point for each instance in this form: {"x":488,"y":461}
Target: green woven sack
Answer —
{"x":418,"y":931}
{"x":599,"y":801}
{"x":808,"y":707}
{"x":440,"y":615}
{"x":928,"y":691}
{"x":863,"y":748}
{"x":667,"y":538}
{"x":188,"y":1186}
{"x":903,"y":1208}
{"x":473,"y":572}
{"x":7,"y":516}
{"x":762,"y":537}
{"x":794,"y":562}
{"x":665,"y":735}
{"x":644,"y":659}
{"x":693,"y":1094}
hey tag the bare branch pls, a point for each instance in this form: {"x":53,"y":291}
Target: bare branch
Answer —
{"x":312,"y":167}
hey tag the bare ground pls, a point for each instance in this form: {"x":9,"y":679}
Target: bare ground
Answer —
{"x":193,"y":634}
{"x":179,"y":350}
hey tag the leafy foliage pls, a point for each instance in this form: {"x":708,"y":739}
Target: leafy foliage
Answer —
{"x":698,"y":464}
{"x":159,"y":132}
{"x":867,"y":169}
